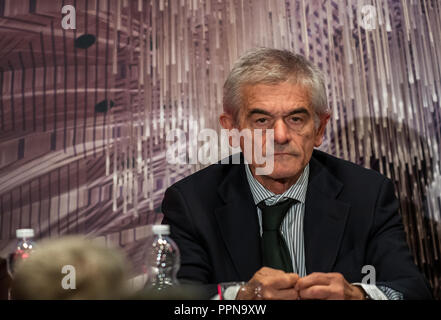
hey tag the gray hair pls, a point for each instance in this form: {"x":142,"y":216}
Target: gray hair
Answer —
{"x":273,"y":66}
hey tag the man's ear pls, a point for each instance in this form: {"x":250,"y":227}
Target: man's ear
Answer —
{"x":321,"y":129}
{"x":226,"y":121}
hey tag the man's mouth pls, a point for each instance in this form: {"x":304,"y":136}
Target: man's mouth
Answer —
{"x":284,"y":154}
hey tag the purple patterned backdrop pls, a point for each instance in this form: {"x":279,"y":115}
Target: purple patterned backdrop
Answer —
{"x":84,"y":112}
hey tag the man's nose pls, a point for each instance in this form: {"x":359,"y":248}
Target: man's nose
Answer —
{"x":281,"y":133}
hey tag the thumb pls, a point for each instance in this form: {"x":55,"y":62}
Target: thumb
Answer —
{"x":293,"y":278}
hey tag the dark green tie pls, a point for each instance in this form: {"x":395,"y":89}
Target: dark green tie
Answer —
{"x":275,"y":251}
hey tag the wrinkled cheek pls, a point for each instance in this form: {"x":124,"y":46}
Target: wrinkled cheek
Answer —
{"x":307,"y":140}
{"x":306,"y":135}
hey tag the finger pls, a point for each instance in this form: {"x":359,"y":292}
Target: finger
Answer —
{"x":276,"y":279}
{"x":316,"y":278}
{"x":315,"y":293}
{"x":264,"y":271}
{"x":285,"y":294}
{"x":294,"y":277}
{"x":285,"y":281}
{"x":289,"y":281}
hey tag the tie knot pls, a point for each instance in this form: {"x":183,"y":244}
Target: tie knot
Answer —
{"x":272,"y":216}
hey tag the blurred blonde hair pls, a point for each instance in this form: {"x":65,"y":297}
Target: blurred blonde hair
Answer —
{"x":100,"y":272}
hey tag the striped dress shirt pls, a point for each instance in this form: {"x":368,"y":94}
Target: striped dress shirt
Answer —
{"x":292,"y":228}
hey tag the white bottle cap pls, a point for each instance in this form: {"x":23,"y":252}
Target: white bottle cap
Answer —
{"x":161,"y":229}
{"x":24,"y":233}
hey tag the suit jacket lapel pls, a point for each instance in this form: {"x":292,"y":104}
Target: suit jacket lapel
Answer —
{"x":238,"y":223}
{"x":325,"y":219}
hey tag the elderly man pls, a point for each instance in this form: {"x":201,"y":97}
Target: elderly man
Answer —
{"x":315,"y":227}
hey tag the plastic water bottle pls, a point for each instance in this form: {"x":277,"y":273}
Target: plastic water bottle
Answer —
{"x":163,"y":260}
{"x":23,"y":250}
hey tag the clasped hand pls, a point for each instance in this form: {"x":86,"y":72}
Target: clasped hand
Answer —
{"x":272,"y":284}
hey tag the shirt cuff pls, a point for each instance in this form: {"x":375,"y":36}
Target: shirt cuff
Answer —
{"x":391,"y":294}
{"x":229,"y":294}
{"x":372,"y":291}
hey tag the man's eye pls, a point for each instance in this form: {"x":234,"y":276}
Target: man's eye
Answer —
{"x":296,"y":119}
{"x":261,"y":120}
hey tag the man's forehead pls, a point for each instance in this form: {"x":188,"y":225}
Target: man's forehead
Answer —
{"x":281,"y":96}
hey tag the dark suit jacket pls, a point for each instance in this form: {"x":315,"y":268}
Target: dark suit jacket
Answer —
{"x":351,"y":220}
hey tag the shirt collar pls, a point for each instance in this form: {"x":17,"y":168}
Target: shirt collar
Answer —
{"x":297,"y":191}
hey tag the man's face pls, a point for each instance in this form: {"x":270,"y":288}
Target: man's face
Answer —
{"x":285,"y":108}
